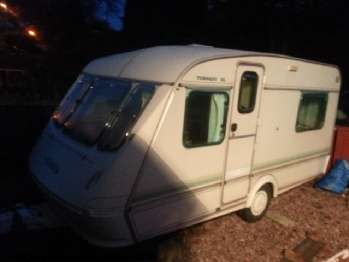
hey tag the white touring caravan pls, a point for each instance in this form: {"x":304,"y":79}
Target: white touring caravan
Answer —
{"x":154,"y":140}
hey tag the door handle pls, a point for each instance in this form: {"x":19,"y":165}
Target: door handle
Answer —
{"x":234,"y":127}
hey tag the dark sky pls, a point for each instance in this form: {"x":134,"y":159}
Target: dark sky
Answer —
{"x":316,"y":30}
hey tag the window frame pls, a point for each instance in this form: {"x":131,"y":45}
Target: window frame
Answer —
{"x":316,"y":121}
{"x":91,"y":114}
{"x":253,"y":97}
{"x":222,"y":124}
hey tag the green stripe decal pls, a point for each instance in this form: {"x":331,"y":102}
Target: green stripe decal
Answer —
{"x":186,"y":186}
{"x":293,"y":158}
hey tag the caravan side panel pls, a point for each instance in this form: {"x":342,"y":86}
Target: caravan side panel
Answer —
{"x":279,"y":144}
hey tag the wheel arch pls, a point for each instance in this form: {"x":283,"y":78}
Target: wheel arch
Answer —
{"x":269,"y":180}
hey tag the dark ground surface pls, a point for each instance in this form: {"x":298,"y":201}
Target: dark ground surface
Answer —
{"x":63,"y":244}
{"x":54,"y":244}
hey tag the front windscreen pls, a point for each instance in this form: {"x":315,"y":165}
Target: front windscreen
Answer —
{"x":102,"y":110}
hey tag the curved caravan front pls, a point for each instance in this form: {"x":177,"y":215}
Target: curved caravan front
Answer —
{"x":86,"y":159}
{"x":158,"y":139}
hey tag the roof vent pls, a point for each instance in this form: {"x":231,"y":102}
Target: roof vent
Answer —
{"x":292,"y":68}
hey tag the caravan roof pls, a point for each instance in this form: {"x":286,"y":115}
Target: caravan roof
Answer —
{"x":159,"y":64}
{"x":166,"y":64}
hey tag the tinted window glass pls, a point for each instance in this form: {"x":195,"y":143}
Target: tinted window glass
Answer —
{"x":72,"y":99}
{"x":311,"y":111}
{"x":205,"y":118}
{"x":247,"y":92}
{"x":119,"y":126}
{"x":102,"y":109}
{"x":93,"y":111}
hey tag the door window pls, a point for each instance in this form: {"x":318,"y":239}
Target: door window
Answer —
{"x":247,"y":93}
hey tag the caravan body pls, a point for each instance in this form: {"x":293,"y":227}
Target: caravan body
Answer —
{"x":151,"y":141}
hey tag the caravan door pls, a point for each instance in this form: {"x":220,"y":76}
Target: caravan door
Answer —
{"x":243,"y":128}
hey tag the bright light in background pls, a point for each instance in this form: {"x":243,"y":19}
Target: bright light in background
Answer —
{"x":3,"y":6}
{"x":7,"y":9}
{"x":31,"y":33}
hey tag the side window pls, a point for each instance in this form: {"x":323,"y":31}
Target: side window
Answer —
{"x":247,"y":92}
{"x":205,"y":118}
{"x":311,"y":111}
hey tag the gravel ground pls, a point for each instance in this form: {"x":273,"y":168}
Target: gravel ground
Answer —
{"x":305,"y":212}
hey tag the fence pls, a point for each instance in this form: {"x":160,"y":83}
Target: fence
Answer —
{"x":12,"y":79}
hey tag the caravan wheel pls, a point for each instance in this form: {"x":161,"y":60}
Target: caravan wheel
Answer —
{"x":259,"y":205}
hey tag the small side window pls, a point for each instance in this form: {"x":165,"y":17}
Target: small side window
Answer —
{"x":205,"y":118}
{"x":247,"y":92}
{"x":311,"y":111}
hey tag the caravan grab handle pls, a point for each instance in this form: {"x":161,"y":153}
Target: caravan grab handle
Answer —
{"x":234,"y":127}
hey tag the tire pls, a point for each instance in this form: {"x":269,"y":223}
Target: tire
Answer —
{"x":259,"y":205}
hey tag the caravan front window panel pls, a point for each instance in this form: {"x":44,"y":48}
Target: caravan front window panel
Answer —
{"x":95,"y":108}
{"x":119,"y":126}
{"x":311,"y":111}
{"x":247,"y":92}
{"x":102,"y":109}
{"x":205,"y":118}
{"x":72,"y":99}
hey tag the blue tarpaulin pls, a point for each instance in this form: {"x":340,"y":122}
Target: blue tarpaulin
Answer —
{"x":337,"y":179}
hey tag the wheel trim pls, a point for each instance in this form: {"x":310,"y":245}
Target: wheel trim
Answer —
{"x":259,"y":203}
